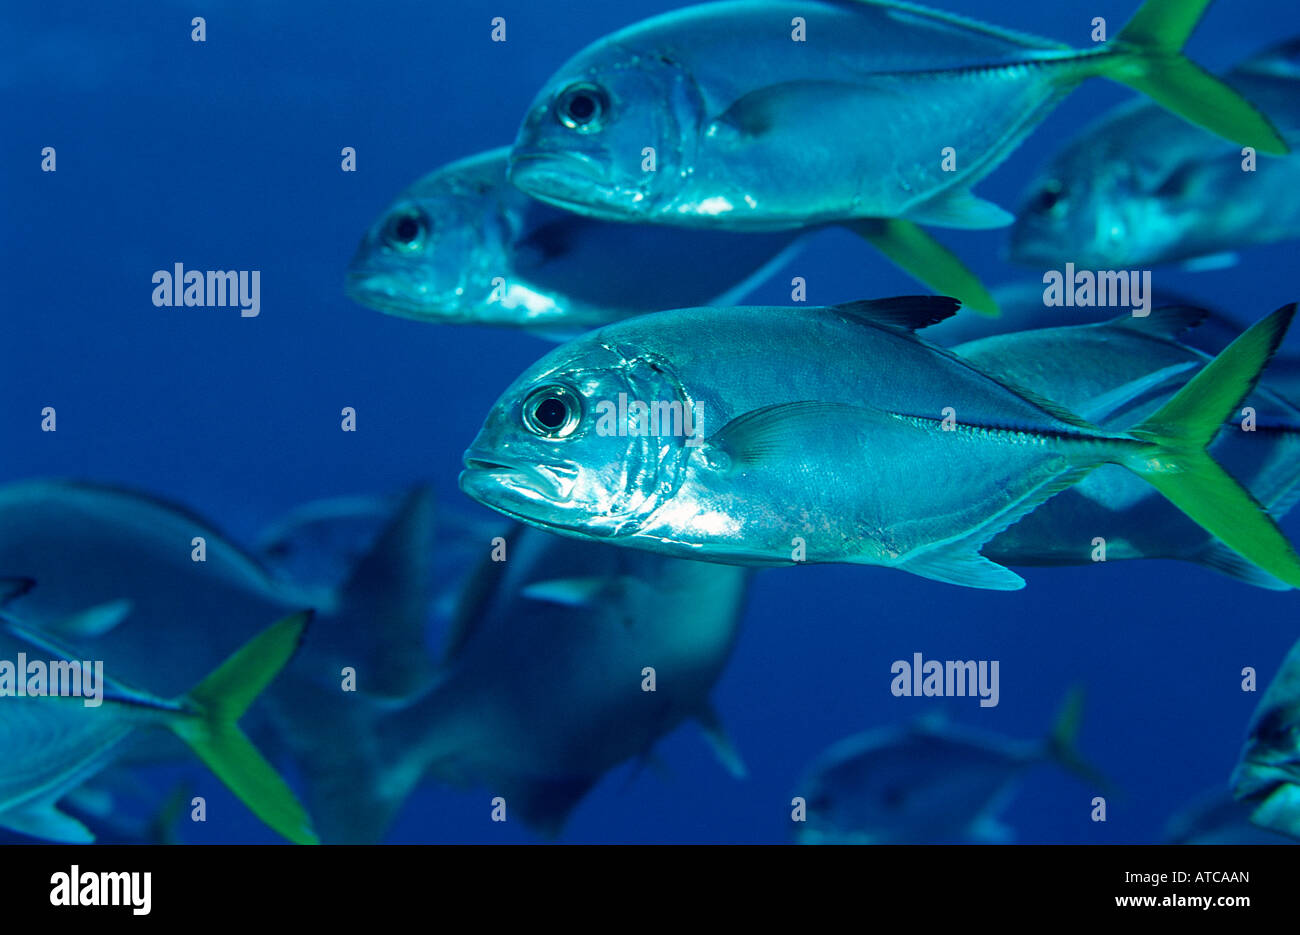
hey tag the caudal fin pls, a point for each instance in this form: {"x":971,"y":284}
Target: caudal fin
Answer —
{"x":208,"y":726}
{"x":1180,"y":468}
{"x":1147,"y":55}
{"x":1061,"y":742}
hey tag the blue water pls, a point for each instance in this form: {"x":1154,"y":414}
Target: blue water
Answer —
{"x":226,"y":155}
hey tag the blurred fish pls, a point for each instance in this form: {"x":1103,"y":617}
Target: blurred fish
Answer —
{"x":928,"y":782}
{"x":834,"y":435}
{"x":750,"y":130}
{"x":1117,"y":374}
{"x":118,"y":572}
{"x":463,"y":246}
{"x":1021,"y":303}
{"x":541,"y":691}
{"x":1218,"y":818}
{"x":51,"y":744}
{"x":1267,"y":777}
{"x":126,"y":590}
{"x":1112,"y":198}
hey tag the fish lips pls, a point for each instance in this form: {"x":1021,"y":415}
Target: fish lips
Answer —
{"x":573,"y":181}
{"x":524,"y":490}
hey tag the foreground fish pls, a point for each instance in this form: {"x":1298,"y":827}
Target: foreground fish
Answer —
{"x":1116,"y":374}
{"x":927,"y":782}
{"x":1267,"y":777}
{"x":51,"y":744}
{"x":543,"y":687}
{"x":750,"y":130}
{"x":1113,"y":199}
{"x":834,"y":435}
{"x":463,"y":246}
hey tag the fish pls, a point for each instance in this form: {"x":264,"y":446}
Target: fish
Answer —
{"x":858,"y":123}
{"x":1217,"y":818}
{"x":118,"y":569}
{"x":125,"y":588}
{"x":1082,"y":367}
{"x":542,"y":686}
{"x":1267,"y":774}
{"x":928,"y":781}
{"x":818,"y":435}
{"x":1110,"y":198}
{"x":51,"y":744}
{"x":462,"y":246}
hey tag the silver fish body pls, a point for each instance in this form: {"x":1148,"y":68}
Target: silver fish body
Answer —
{"x":1267,"y":775}
{"x":755,"y":125}
{"x":1112,"y":199}
{"x":820,"y":434}
{"x":544,"y":685}
{"x":464,"y":246}
{"x":1081,"y":366}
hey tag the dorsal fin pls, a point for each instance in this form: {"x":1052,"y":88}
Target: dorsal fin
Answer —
{"x":1171,"y":322}
{"x":904,"y":312}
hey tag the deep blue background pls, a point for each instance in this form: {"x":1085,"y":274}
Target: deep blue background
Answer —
{"x":225,"y":155}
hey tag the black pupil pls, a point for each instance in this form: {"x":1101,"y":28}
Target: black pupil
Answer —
{"x":1048,"y":198}
{"x":551,"y":413}
{"x":581,"y":107}
{"x":408,"y":228}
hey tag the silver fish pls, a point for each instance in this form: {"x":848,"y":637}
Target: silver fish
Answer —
{"x":927,"y":782}
{"x":1267,"y":776}
{"x":463,"y":246}
{"x":1116,"y":374}
{"x":1113,"y":199}
{"x":881,"y":115}
{"x":50,"y":744}
{"x":543,"y":686}
{"x":819,"y":435}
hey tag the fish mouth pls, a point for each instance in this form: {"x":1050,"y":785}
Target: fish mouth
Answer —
{"x":487,"y":473}
{"x":570,"y":180}
{"x":391,"y":295}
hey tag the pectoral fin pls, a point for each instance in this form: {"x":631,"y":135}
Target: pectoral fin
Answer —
{"x":959,"y":208}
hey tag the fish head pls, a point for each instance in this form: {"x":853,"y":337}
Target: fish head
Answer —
{"x":1271,"y":755}
{"x":1102,"y":212}
{"x":566,"y":448}
{"x":433,"y":253}
{"x":611,"y":136}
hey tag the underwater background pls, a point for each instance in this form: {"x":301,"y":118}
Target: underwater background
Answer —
{"x":225,"y":154}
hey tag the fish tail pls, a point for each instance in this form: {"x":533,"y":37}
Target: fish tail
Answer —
{"x":1147,"y":56}
{"x":207,"y":724}
{"x":1174,"y":459}
{"x":1062,"y":740}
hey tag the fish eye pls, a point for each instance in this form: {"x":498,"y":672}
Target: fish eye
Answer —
{"x":582,"y":107}
{"x":552,"y":411}
{"x":405,"y":230}
{"x":1049,"y":199}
